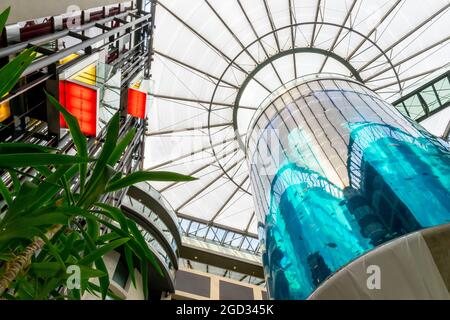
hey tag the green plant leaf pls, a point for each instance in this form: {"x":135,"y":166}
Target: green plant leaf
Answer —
{"x":20,"y":160}
{"x":141,"y":176}
{"x":101,"y":251}
{"x":68,"y":245}
{"x":15,"y":180}
{"x":108,"y":237}
{"x":99,"y":170}
{"x":20,"y":232}
{"x":141,"y":240}
{"x":87,"y":273}
{"x":93,"y":229}
{"x":99,"y":263}
{"x":25,"y":195}
{"x":93,"y":192}
{"x":78,"y":138}
{"x":47,"y":190}
{"x":130,"y":264}
{"x":11,"y":72}
{"x":5,"y":193}
{"x":140,"y":248}
{"x":115,"y":214}
{"x":46,"y":269}
{"x":121,"y":147}
{"x":4,"y":18}
{"x":18,"y":147}
{"x":40,"y":220}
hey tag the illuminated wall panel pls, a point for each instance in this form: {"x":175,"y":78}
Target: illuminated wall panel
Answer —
{"x":82,"y":102}
{"x":137,"y":103}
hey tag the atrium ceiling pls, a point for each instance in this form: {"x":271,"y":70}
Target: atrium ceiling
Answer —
{"x":216,"y":61}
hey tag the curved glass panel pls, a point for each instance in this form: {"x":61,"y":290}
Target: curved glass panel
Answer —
{"x":336,"y":172}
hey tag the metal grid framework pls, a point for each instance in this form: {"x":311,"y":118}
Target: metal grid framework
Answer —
{"x":220,"y":236}
{"x":426,"y":100}
{"x":216,"y":61}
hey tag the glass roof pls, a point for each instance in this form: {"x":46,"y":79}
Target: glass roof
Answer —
{"x":216,"y":61}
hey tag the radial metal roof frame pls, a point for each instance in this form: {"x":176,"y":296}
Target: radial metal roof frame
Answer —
{"x":216,"y":61}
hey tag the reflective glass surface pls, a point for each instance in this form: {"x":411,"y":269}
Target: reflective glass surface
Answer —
{"x":336,"y":172}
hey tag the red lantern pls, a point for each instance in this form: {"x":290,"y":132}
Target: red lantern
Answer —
{"x":137,"y":103}
{"x":82,"y":102}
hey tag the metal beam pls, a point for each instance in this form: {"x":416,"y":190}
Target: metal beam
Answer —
{"x":311,"y":44}
{"x":405,"y":36}
{"x":16,"y":48}
{"x":291,"y":20}
{"x":194,"y":68}
{"x":220,"y":52}
{"x":230,"y":31}
{"x":347,"y":16}
{"x":44,"y":62}
{"x":192,"y":173}
{"x":203,"y":188}
{"x":272,"y":24}
{"x":277,"y":56}
{"x":410,"y":77}
{"x":160,"y":96}
{"x":374,"y":29}
{"x":191,"y":153}
{"x":250,"y":222}
{"x":437,"y":43}
{"x":218,"y":225}
{"x":445,"y":136}
{"x":158,"y":133}
{"x":229,"y":199}
{"x":258,"y":39}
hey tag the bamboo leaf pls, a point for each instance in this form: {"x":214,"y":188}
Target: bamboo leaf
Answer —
{"x":93,"y":192}
{"x":87,"y":273}
{"x":100,"y":252}
{"x":78,"y":138}
{"x":141,"y":176}
{"x":18,"y":160}
{"x":101,"y":164}
{"x":5,"y":193}
{"x":43,"y":219}
{"x":46,"y":269}
{"x":11,"y":72}
{"x":4,"y":18}
{"x":141,"y":240}
{"x":121,"y":147}
{"x":115,"y":214}
{"x":15,"y":180}
{"x":18,"y":147}
{"x":129,"y":259}
{"x":99,"y":263}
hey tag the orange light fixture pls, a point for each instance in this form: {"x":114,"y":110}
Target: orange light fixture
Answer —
{"x":137,"y":103}
{"x":82,"y":102}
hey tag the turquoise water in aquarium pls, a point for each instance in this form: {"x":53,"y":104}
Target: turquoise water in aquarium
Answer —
{"x":398,"y":184}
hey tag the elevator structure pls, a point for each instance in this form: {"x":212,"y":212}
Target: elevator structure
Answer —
{"x":352,"y":198}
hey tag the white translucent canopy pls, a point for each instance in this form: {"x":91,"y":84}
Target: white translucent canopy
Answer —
{"x":216,"y":61}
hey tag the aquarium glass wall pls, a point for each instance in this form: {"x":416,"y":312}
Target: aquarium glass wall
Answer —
{"x":336,"y":171}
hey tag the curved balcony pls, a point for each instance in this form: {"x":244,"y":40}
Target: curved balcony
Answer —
{"x":159,"y":226}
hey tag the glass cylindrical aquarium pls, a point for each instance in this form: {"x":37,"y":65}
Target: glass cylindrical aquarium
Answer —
{"x":336,"y":171}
